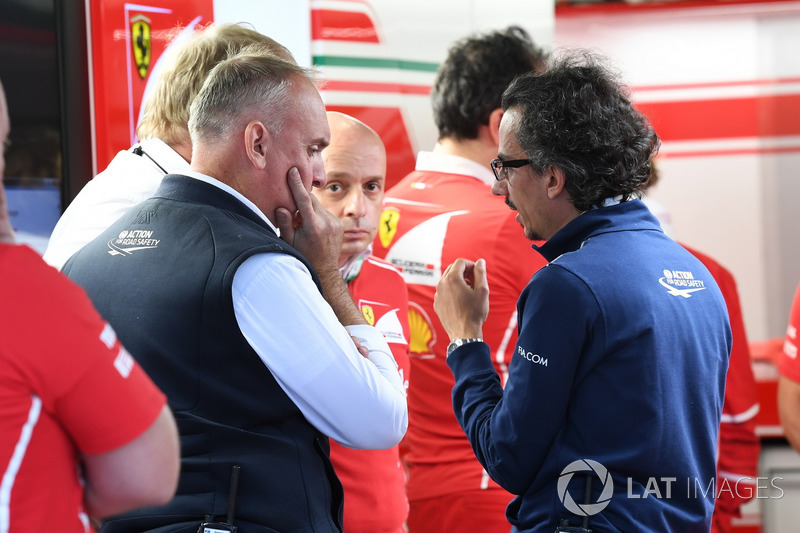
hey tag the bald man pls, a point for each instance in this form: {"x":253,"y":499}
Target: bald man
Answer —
{"x":355,"y":165}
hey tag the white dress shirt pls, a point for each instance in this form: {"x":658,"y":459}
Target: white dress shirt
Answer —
{"x":359,"y":402}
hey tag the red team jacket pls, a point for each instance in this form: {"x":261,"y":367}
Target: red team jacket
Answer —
{"x":739,"y":447}
{"x":67,"y":387}
{"x":790,"y":364}
{"x":429,"y":220}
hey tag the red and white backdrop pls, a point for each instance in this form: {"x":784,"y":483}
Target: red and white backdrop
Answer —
{"x":720,"y":82}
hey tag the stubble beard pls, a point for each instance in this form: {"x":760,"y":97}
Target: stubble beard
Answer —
{"x":530,"y":234}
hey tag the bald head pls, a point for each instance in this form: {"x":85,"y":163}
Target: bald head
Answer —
{"x":347,"y":130}
{"x":355,"y":165}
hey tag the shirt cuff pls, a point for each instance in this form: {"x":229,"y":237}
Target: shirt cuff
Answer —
{"x":373,"y":339}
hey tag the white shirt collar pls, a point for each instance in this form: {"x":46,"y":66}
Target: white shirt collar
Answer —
{"x":164,"y":155}
{"x":233,"y":192}
{"x":454,"y":164}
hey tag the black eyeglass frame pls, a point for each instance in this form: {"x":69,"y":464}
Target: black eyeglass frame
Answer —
{"x":498,"y":166}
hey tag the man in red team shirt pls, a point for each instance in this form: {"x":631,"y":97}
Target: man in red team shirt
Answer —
{"x":441,"y":211}
{"x":83,"y":431}
{"x":739,"y":447}
{"x":789,"y":383}
{"x":355,"y":164}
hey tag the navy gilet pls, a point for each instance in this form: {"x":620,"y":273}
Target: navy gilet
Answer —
{"x":162,"y":275}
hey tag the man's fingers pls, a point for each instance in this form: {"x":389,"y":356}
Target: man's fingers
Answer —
{"x":285,"y":223}
{"x":457,"y":268}
{"x":302,"y":198}
{"x":363,"y":350}
{"x":479,"y":275}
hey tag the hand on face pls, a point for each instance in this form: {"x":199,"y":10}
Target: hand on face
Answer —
{"x":462,"y":299}
{"x":312,"y":231}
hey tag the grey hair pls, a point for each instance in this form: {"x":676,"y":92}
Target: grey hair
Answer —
{"x":246,"y":82}
{"x":576,"y":115}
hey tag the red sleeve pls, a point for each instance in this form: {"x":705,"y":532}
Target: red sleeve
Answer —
{"x":790,"y":362}
{"x":70,"y":358}
{"x":739,"y":447}
{"x":112,"y":403}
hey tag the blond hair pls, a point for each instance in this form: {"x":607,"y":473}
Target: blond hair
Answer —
{"x":166,"y":111}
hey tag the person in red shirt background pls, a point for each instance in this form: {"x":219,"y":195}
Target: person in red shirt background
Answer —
{"x":84,"y":433}
{"x":355,"y":164}
{"x":789,"y":382}
{"x":441,"y":211}
{"x":739,"y":446}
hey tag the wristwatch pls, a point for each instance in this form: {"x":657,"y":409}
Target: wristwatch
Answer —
{"x":455,"y":343}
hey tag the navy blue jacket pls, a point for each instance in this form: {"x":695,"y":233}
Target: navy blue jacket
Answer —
{"x":618,"y":374}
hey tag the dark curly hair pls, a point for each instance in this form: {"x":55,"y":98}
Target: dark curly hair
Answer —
{"x":576,"y":116}
{"x":470,"y":82}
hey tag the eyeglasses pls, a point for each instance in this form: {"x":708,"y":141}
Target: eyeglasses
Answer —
{"x":500,"y":167}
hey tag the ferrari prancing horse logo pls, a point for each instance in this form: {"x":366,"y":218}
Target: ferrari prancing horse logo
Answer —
{"x":388,"y":226}
{"x":369,"y":314}
{"x":140,"y":39}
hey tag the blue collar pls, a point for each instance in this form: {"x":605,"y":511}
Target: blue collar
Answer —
{"x":632,"y":215}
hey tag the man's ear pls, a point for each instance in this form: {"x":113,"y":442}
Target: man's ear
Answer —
{"x":257,"y":141}
{"x":556,"y":181}
{"x":494,"y":125}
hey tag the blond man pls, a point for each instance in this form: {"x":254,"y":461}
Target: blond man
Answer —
{"x":165,"y":147}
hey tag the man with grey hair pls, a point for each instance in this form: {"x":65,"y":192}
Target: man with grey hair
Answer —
{"x":230,"y":320}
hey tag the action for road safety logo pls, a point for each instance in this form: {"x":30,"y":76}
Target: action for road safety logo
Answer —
{"x":130,"y":241}
{"x":681,"y":283}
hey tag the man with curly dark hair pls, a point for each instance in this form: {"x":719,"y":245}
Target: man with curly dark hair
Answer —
{"x":619,"y":368}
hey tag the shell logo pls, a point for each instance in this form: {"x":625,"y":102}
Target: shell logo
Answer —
{"x":388,"y":226}
{"x":423,"y":334}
